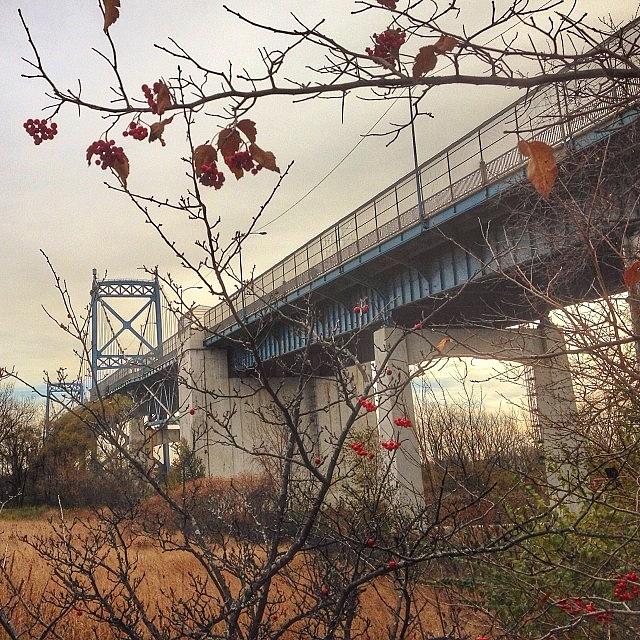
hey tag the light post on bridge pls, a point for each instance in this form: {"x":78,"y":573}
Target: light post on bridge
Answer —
{"x":239,"y":238}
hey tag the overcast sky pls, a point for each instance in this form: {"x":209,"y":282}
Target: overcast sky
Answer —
{"x":52,"y":201}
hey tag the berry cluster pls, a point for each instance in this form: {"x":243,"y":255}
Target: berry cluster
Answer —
{"x":403,"y":422}
{"x":388,"y":4}
{"x":108,"y":154}
{"x":210,"y":176}
{"x":39,"y":130}
{"x":366,"y":404}
{"x":627,"y":587}
{"x":387,"y":45}
{"x":361,"y":450}
{"x":242,"y":160}
{"x":136,"y":131}
{"x":361,"y":308}
{"x":149,"y":94}
{"x":390,"y":445}
{"x":577,"y":606}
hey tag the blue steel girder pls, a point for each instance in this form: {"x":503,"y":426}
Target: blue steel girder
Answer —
{"x":147,"y":292}
{"x":448,"y":267}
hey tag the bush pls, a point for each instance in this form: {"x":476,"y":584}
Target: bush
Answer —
{"x":239,"y":507}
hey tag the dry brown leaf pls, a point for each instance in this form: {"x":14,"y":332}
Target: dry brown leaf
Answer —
{"x":111,"y":13}
{"x":443,"y":344}
{"x":264,"y":158}
{"x":425,"y":61}
{"x":157,"y":129}
{"x":445,"y":44}
{"x":228,"y":141}
{"x":122,"y":169}
{"x":203,"y":154}
{"x":163,"y":99}
{"x":542,"y":169}
{"x":248,"y":127}
{"x":631,"y":275}
{"x":237,"y":171}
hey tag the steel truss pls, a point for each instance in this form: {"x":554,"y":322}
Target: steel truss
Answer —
{"x":147,"y":292}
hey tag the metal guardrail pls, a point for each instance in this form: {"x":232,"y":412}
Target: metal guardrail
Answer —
{"x":484,"y":156}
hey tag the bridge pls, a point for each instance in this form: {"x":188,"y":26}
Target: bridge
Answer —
{"x":420,"y":262}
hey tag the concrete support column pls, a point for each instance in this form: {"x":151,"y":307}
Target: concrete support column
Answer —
{"x":204,"y":386}
{"x":191,"y":383}
{"x":631,"y":253}
{"x":138,"y":443}
{"x":556,"y":409}
{"x":395,"y":400}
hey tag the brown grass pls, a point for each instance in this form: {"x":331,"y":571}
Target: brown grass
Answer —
{"x":167,"y":570}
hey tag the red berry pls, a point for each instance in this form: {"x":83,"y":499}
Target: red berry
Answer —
{"x":392,"y":564}
{"x":370,"y":542}
{"x":192,"y":411}
{"x":317,"y":460}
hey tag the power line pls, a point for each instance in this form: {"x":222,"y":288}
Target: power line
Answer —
{"x":363,"y":137}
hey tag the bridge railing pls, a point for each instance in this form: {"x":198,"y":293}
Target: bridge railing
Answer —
{"x":487,"y":154}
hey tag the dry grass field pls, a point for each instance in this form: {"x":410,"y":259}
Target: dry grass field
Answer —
{"x":168,"y":572}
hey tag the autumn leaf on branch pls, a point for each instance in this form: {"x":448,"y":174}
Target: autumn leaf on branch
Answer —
{"x":111,"y":13}
{"x":203,"y":154}
{"x":542,"y":169}
{"x":425,"y":61}
{"x":445,"y":44}
{"x":228,"y":141}
{"x":264,"y":158}
{"x":157,"y":129}
{"x":121,"y":167}
{"x":248,"y":127}
{"x":163,"y":99}
{"x":443,"y":343}
{"x":631,"y":275}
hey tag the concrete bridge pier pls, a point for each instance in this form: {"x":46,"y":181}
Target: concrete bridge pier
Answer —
{"x":332,"y":412}
{"x":403,"y":467}
{"x":203,"y":397}
{"x":556,"y":410}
